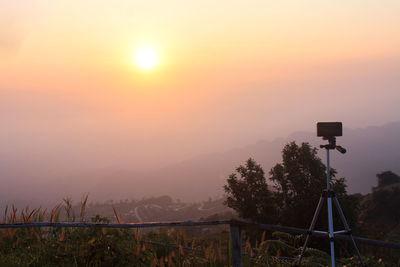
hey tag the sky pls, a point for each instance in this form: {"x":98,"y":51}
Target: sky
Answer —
{"x":230,"y":73}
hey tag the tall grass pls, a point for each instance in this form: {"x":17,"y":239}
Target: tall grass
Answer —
{"x":126,"y":247}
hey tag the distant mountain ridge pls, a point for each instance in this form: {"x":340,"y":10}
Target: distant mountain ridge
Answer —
{"x":371,"y":150}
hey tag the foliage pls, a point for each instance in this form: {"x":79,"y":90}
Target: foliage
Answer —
{"x":126,"y":247}
{"x":387,"y":178}
{"x":94,"y":246}
{"x":369,"y":261}
{"x":249,"y":194}
{"x":380,"y":212}
{"x":299,"y":181}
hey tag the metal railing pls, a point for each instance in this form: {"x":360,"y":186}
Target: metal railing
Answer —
{"x":236,"y":228}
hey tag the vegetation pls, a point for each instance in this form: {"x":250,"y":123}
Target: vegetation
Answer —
{"x":298,"y":182}
{"x":296,"y":186}
{"x":380,"y":213}
{"x":249,"y":194}
{"x":95,"y":246}
{"x":126,"y":247}
{"x":162,"y":208}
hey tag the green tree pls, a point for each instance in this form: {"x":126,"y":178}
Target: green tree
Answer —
{"x":299,"y":181}
{"x":249,"y":195}
{"x":387,"y":178}
{"x":380,"y":213}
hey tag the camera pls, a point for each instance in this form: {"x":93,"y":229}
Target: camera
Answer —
{"x":329,"y":129}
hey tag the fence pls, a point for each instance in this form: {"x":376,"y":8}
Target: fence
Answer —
{"x":236,"y":228}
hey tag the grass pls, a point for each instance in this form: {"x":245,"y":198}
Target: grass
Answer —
{"x":125,"y":247}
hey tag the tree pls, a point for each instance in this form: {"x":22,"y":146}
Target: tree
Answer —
{"x":380,"y":211}
{"x":299,"y":181}
{"x":387,"y":178}
{"x":249,"y":195}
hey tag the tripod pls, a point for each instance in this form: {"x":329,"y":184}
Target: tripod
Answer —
{"x":329,"y":194}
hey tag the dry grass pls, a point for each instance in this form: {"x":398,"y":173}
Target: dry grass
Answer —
{"x":106,"y":247}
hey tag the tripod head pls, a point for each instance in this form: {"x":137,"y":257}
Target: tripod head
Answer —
{"x":332,"y":144}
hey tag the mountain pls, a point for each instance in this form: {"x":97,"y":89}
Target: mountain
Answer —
{"x":371,"y":150}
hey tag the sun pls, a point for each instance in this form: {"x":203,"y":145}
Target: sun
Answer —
{"x":146,"y":58}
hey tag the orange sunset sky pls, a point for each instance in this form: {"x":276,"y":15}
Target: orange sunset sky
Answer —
{"x":228,"y":74}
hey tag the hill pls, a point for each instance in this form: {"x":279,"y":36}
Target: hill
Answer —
{"x":371,"y":150}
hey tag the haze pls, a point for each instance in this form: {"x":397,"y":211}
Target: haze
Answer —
{"x":231,"y":73}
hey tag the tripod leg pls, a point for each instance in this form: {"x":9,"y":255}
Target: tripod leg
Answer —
{"x":346,"y":226}
{"x":331,"y":234}
{"x":309,"y":232}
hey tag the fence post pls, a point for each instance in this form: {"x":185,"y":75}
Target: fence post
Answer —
{"x":236,"y":245}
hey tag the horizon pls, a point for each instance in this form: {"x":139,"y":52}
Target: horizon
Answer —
{"x":187,"y":174}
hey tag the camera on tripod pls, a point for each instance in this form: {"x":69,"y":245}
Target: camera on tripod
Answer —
{"x":329,"y":131}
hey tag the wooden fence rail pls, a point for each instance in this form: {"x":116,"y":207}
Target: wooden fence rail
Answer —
{"x":236,"y":228}
{"x":112,"y":225}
